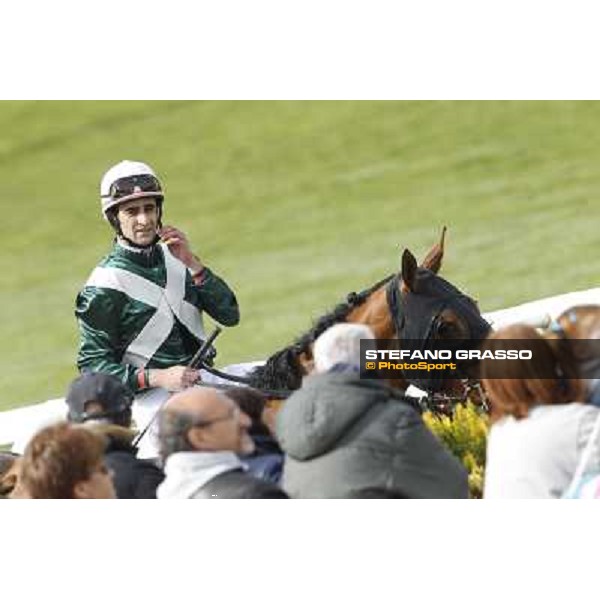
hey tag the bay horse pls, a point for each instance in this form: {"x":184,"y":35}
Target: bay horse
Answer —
{"x":576,"y":331}
{"x":414,"y":303}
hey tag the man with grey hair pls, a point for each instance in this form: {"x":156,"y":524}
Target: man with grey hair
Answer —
{"x":348,"y":437}
{"x":339,"y":347}
{"x":201,"y":432}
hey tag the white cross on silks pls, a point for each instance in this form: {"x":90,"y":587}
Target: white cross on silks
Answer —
{"x":168,"y":301}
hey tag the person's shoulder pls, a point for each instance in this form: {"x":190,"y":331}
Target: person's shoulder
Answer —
{"x":105,"y":259}
{"x":128,"y":456}
{"x":88,"y":285}
{"x":572,"y":411}
{"x":96,"y":302}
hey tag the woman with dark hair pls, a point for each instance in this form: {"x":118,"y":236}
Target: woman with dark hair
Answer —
{"x":540,"y":425}
{"x":65,"y":461}
{"x":266,"y":462}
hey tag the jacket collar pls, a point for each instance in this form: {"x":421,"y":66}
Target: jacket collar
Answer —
{"x":117,"y":438}
{"x":142,"y":256}
{"x":187,"y":472}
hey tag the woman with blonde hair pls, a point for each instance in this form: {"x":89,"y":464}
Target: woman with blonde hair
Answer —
{"x":540,"y":425}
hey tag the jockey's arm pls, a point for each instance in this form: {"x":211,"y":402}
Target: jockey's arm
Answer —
{"x":98,"y":319}
{"x":97,"y":353}
{"x":210,"y":293}
{"x":206,"y":289}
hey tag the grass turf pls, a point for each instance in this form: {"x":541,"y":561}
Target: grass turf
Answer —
{"x":295,"y":204}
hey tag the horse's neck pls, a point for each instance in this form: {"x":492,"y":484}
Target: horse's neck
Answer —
{"x":376,"y":314}
{"x":286,"y":368}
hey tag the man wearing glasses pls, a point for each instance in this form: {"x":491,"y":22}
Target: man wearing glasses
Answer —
{"x":201,"y":435}
{"x":140,"y":311}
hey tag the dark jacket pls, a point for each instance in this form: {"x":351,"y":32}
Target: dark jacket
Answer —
{"x":202,"y":475}
{"x":133,"y":478}
{"x":343,"y":435}
{"x":237,"y":484}
{"x":266,"y":462}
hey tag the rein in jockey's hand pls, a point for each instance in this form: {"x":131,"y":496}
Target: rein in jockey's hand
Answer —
{"x":179,"y":247}
{"x":173,"y":379}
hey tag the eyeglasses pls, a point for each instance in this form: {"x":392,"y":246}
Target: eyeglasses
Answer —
{"x":135,"y":184}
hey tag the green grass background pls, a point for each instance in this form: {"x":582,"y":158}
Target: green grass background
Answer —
{"x":295,"y":204}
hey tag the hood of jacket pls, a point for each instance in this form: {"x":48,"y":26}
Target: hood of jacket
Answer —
{"x":327,"y":405}
{"x":118,"y":438}
{"x":187,"y":472}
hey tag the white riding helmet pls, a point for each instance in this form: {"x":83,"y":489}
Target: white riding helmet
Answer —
{"x":128,"y":180}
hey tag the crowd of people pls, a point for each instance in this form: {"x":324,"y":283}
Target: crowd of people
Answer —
{"x":341,"y":435}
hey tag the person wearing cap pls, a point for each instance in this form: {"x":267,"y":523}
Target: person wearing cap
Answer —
{"x":102,"y":403}
{"x":140,"y":311}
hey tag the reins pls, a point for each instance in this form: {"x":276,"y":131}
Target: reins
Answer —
{"x":239,"y":379}
{"x":197,"y":359}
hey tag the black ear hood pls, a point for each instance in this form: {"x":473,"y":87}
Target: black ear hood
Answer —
{"x":420,"y":309}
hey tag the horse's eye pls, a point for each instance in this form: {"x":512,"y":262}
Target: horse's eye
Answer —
{"x":446,"y":329}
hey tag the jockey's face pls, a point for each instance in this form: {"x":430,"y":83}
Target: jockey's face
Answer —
{"x":139,"y":220}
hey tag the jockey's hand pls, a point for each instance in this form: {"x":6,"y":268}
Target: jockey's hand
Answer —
{"x":174,"y":379}
{"x":179,"y":247}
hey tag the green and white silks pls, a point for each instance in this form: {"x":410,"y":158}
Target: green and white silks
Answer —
{"x":168,"y":302}
{"x":142,"y":309}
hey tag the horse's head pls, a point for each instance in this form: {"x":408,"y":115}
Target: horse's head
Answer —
{"x":417,"y":304}
{"x":429,"y":311}
{"x":414,"y":303}
{"x":577,"y":331}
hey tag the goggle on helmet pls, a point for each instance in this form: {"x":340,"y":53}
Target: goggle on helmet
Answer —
{"x":126,"y":181}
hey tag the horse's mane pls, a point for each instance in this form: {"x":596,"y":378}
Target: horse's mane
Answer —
{"x":282,"y":370}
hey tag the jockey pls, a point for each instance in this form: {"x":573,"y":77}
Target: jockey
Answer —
{"x":140,"y":311}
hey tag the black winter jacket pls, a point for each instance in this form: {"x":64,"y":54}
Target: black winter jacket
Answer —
{"x":237,"y":484}
{"x":133,"y":478}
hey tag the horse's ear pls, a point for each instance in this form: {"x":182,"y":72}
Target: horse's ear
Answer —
{"x":409,"y":271}
{"x":433,"y":260}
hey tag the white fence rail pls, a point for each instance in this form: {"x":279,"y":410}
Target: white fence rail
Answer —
{"x":17,"y":425}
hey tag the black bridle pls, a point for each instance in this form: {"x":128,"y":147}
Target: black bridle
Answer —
{"x":398,"y":309}
{"x":436,"y":401}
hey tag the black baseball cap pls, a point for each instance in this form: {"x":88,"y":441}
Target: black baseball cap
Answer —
{"x":114,"y":397}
